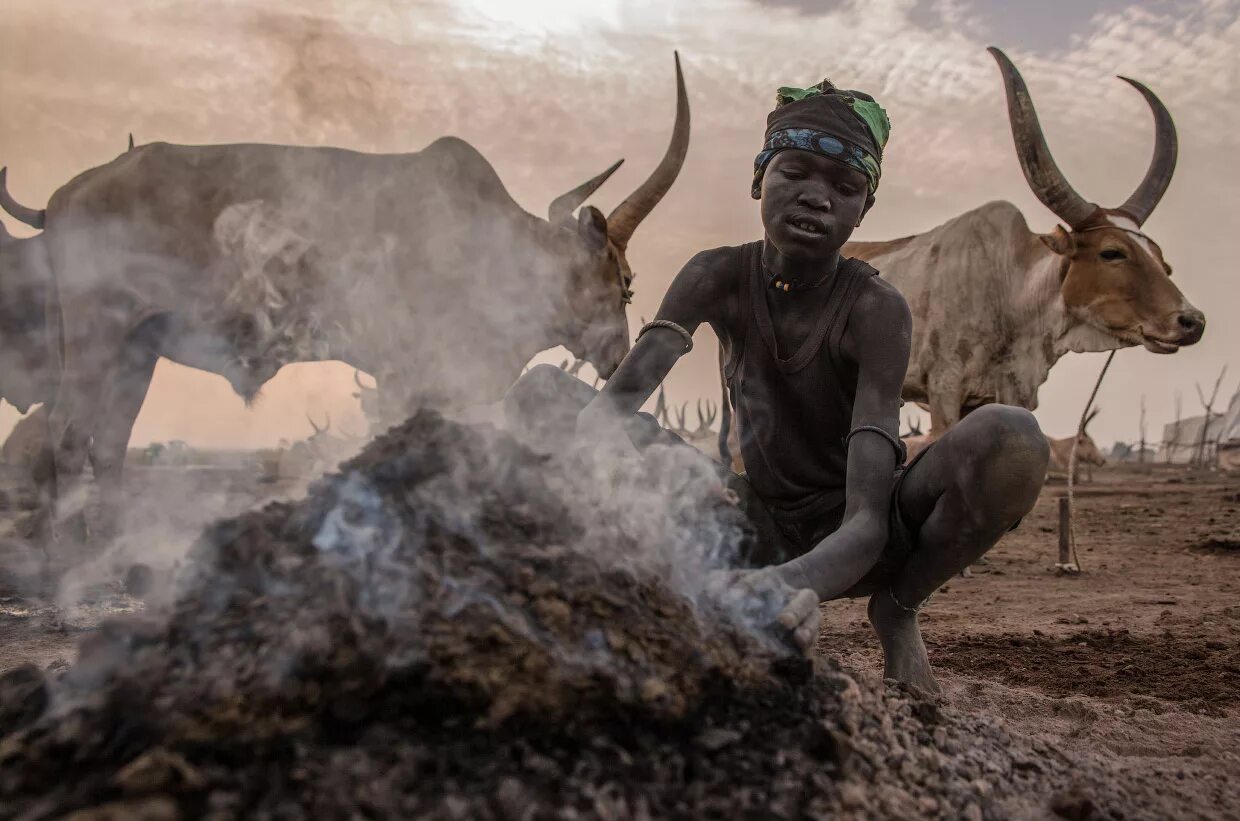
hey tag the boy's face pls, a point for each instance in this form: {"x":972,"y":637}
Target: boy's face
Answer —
{"x":811,"y":204}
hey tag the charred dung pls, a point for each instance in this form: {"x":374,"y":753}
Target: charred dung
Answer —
{"x":457,"y":626}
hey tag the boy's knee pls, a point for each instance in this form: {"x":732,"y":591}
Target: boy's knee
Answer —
{"x":1004,"y":463}
{"x":1009,"y":435}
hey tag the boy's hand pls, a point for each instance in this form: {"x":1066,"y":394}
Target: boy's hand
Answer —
{"x":763,"y":600}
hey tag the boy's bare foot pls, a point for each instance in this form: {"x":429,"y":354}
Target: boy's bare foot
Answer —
{"x":904,"y":653}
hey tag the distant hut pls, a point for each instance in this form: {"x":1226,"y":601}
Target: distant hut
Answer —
{"x":1228,"y":437}
{"x":1182,"y":441}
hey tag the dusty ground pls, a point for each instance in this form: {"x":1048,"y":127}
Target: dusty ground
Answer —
{"x":1133,"y":665}
{"x":1135,"y":662}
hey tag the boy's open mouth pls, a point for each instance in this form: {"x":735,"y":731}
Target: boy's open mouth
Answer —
{"x":806,"y":224}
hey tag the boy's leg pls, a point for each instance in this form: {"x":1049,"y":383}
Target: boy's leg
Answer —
{"x":970,"y":488}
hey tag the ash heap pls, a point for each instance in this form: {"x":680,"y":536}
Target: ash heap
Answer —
{"x":455,"y":625}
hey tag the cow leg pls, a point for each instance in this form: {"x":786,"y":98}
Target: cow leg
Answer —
{"x":58,"y":475}
{"x":946,"y":396}
{"x":126,"y":391}
{"x":970,"y":488}
{"x":81,"y":401}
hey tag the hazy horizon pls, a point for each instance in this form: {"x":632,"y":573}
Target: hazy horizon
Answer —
{"x":552,"y":92}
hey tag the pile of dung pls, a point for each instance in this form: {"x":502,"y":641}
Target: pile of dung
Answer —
{"x":454,"y":626}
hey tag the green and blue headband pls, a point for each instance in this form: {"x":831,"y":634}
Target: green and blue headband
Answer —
{"x":846,"y":126}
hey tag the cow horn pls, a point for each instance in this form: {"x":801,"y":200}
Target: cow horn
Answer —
{"x":317,"y":429}
{"x":563,"y":206}
{"x":623,"y":221}
{"x":16,"y":210}
{"x":1166,"y":147}
{"x":1047,"y":181}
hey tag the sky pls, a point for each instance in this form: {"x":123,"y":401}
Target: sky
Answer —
{"x":553,"y":91}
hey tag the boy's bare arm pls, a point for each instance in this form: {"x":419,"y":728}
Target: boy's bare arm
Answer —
{"x":877,"y":339}
{"x":698,"y":294}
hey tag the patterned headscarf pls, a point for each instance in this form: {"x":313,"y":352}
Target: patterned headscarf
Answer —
{"x":846,"y":126}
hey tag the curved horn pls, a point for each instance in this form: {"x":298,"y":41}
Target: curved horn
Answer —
{"x":317,"y":430}
{"x":16,"y":210}
{"x":1047,"y":181}
{"x":623,"y":221}
{"x":1166,"y":148}
{"x":563,"y":206}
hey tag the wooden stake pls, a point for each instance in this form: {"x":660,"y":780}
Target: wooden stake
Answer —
{"x":1065,"y":564}
{"x":1065,"y":504}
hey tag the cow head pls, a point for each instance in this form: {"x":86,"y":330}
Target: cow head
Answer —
{"x":1114,"y":277}
{"x":600,"y":281}
{"x":27,"y":375}
{"x":1087,"y":451}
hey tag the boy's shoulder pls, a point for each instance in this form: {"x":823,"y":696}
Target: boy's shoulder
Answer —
{"x":723,"y":266}
{"x":724,"y":257}
{"x":878,"y":297}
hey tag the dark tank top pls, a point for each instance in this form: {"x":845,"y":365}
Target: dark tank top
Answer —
{"x":793,"y":413}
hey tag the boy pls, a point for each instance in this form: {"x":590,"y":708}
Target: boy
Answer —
{"x":815,"y":349}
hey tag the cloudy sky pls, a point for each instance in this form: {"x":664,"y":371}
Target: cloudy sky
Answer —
{"x":552,"y":91}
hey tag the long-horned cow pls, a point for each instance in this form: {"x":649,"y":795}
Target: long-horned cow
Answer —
{"x":239,"y":259}
{"x":1087,"y":451}
{"x":995,"y":305}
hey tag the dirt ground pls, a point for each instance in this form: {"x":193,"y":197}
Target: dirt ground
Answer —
{"x":1133,"y":665}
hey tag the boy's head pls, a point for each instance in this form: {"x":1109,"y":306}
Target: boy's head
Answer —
{"x":819,"y":167}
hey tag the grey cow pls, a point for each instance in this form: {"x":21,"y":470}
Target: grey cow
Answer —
{"x":418,"y":268}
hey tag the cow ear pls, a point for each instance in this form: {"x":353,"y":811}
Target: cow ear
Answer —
{"x":1059,"y":241}
{"x":592,"y":226}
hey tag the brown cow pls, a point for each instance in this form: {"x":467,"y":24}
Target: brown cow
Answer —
{"x":239,"y":259}
{"x":25,"y":443}
{"x":1087,"y":451}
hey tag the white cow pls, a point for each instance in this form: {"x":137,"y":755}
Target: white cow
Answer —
{"x":995,"y":305}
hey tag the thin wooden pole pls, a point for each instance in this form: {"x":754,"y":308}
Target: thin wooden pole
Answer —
{"x":1065,"y":534}
{"x":1075,"y":565}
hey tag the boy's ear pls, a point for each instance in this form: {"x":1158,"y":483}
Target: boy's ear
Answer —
{"x":869,"y":203}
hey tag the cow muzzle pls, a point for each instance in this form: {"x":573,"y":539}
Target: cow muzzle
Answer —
{"x":606,"y":350}
{"x":1185,"y":327}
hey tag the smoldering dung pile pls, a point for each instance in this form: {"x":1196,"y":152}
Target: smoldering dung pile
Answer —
{"x":443,"y":630}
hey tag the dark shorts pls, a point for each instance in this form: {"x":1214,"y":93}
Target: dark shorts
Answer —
{"x":782,"y":535}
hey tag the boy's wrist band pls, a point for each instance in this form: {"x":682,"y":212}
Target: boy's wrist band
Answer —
{"x":671,"y":326}
{"x":901,"y":450}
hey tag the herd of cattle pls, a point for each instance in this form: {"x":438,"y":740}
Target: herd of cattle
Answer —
{"x":240,"y":259}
